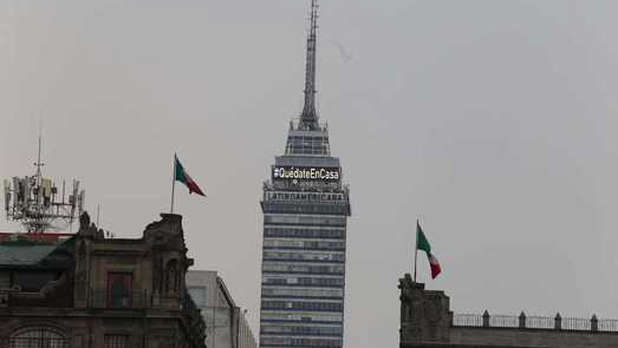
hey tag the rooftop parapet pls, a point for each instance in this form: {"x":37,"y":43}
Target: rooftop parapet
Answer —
{"x":533,"y":322}
{"x":427,"y":321}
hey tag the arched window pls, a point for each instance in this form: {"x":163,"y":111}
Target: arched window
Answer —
{"x":38,"y":337}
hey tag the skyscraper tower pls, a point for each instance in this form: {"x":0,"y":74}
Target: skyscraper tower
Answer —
{"x":305,"y":209}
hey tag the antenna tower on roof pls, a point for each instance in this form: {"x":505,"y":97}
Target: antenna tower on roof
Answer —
{"x":36,"y":202}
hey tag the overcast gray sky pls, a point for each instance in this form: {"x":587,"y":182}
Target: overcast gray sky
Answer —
{"x":492,"y":121}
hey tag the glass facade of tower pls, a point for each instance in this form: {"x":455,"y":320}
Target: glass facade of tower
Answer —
{"x":305,"y":209}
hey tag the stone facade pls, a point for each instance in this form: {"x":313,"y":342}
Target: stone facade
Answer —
{"x":93,"y":292}
{"x":427,"y":321}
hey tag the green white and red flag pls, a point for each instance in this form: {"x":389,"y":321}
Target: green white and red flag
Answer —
{"x":181,"y":175}
{"x":423,"y":244}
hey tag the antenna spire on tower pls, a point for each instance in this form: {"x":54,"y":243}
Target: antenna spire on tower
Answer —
{"x":309,"y":117}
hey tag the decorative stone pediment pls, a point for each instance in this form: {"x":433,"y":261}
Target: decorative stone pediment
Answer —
{"x":166,"y":233}
{"x":89,"y":229}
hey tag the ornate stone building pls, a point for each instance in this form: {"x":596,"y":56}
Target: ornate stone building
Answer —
{"x":88,"y":291}
{"x":427,"y":322}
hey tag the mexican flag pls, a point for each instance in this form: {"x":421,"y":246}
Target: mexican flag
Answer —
{"x":181,"y":175}
{"x":423,"y":244}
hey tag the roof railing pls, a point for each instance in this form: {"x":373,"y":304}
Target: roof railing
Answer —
{"x":523,"y":321}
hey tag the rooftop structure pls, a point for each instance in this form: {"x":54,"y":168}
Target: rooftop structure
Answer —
{"x":85,"y":290}
{"x":39,"y":204}
{"x":427,"y":321}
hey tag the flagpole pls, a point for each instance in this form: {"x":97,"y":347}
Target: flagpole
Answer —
{"x":415,"y":249}
{"x":173,"y":184}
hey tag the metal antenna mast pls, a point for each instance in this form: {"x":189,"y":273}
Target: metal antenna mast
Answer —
{"x":38,"y":164}
{"x":309,"y":117}
{"x":38,"y":223}
{"x":37,"y":203}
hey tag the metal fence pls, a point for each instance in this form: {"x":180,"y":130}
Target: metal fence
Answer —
{"x":535,"y":322}
{"x":577,"y":324}
{"x":502,"y":321}
{"x":468,"y":320}
{"x":608,"y":325}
